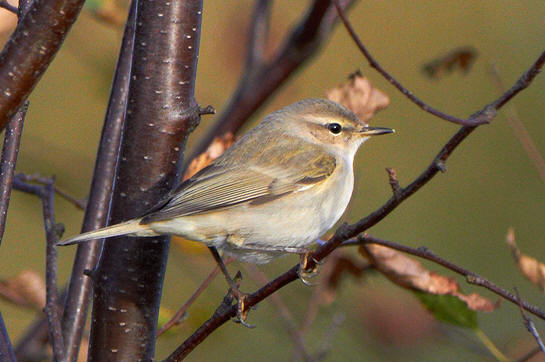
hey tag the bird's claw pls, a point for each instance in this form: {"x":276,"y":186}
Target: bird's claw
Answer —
{"x":306,"y":271}
{"x":242,"y":308}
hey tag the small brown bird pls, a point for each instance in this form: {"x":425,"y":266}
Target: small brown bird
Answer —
{"x":276,"y":190}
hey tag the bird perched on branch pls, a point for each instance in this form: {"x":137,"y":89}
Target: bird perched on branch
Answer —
{"x":274,"y":191}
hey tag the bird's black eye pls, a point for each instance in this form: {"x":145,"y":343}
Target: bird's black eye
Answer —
{"x":334,"y":128}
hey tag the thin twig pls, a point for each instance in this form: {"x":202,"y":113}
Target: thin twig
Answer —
{"x":46,"y":194}
{"x":519,"y":129}
{"x":10,"y":150}
{"x":4,"y":4}
{"x":98,"y":207}
{"x":346,"y":231}
{"x":528,"y":323}
{"x":80,"y":204}
{"x":201,"y":288}
{"x":392,"y":179}
{"x":283,"y":312}
{"x":52,"y":293}
{"x":374,"y":64}
{"x":470,"y":276}
{"x":24,"y":58}
{"x":336,"y":322}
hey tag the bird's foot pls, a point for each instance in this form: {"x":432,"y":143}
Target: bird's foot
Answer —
{"x":242,"y":307}
{"x":308,"y":268}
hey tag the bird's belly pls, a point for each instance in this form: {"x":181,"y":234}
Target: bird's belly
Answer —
{"x":293,"y":221}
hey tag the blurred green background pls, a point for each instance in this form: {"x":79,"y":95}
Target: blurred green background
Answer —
{"x":462,"y":215}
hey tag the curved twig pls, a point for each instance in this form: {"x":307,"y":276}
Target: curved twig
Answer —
{"x":374,"y":64}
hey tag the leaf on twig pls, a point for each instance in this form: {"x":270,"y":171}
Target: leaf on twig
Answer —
{"x":460,"y":58}
{"x":360,"y":96}
{"x":530,"y":267}
{"x":440,"y":294}
{"x":215,"y":150}
{"x":27,"y":289}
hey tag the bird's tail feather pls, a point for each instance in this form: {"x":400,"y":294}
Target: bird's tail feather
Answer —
{"x":127,"y":227}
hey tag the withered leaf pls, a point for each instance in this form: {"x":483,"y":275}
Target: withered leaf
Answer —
{"x":27,"y":289}
{"x":460,"y":58}
{"x":409,"y":273}
{"x":530,"y":267}
{"x":360,"y":96}
{"x":215,"y":150}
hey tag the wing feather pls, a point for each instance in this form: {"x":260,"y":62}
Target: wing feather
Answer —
{"x":222,"y":185}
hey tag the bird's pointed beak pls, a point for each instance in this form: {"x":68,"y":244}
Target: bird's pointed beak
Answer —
{"x":375,"y":131}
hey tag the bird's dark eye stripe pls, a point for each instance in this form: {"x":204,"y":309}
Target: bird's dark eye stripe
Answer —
{"x":334,"y":128}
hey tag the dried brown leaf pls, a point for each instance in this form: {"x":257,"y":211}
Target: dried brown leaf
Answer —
{"x":360,"y":96}
{"x":215,"y":150}
{"x":27,"y":289}
{"x":458,"y":59}
{"x":409,"y":273}
{"x":530,"y":267}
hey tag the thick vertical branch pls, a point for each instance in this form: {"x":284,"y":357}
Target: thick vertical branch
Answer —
{"x":98,"y":206}
{"x":30,"y":50}
{"x":161,"y":112}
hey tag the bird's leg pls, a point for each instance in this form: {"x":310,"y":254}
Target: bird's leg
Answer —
{"x":305,"y":272}
{"x":242,"y":308}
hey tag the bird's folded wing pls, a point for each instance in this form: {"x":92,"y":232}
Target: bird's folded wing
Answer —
{"x":216,"y":187}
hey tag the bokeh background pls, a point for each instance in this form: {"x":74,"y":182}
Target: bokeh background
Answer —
{"x":462,"y":215}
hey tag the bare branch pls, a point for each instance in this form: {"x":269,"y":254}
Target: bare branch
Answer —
{"x":98,"y":208}
{"x":394,"y":183}
{"x":529,"y":324}
{"x":374,"y":64}
{"x":181,"y":312}
{"x":10,"y":150}
{"x":27,"y":54}
{"x":161,"y":113}
{"x":4,"y":4}
{"x":519,"y":129}
{"x":46,"y":194}
{"x":37,"y":178}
